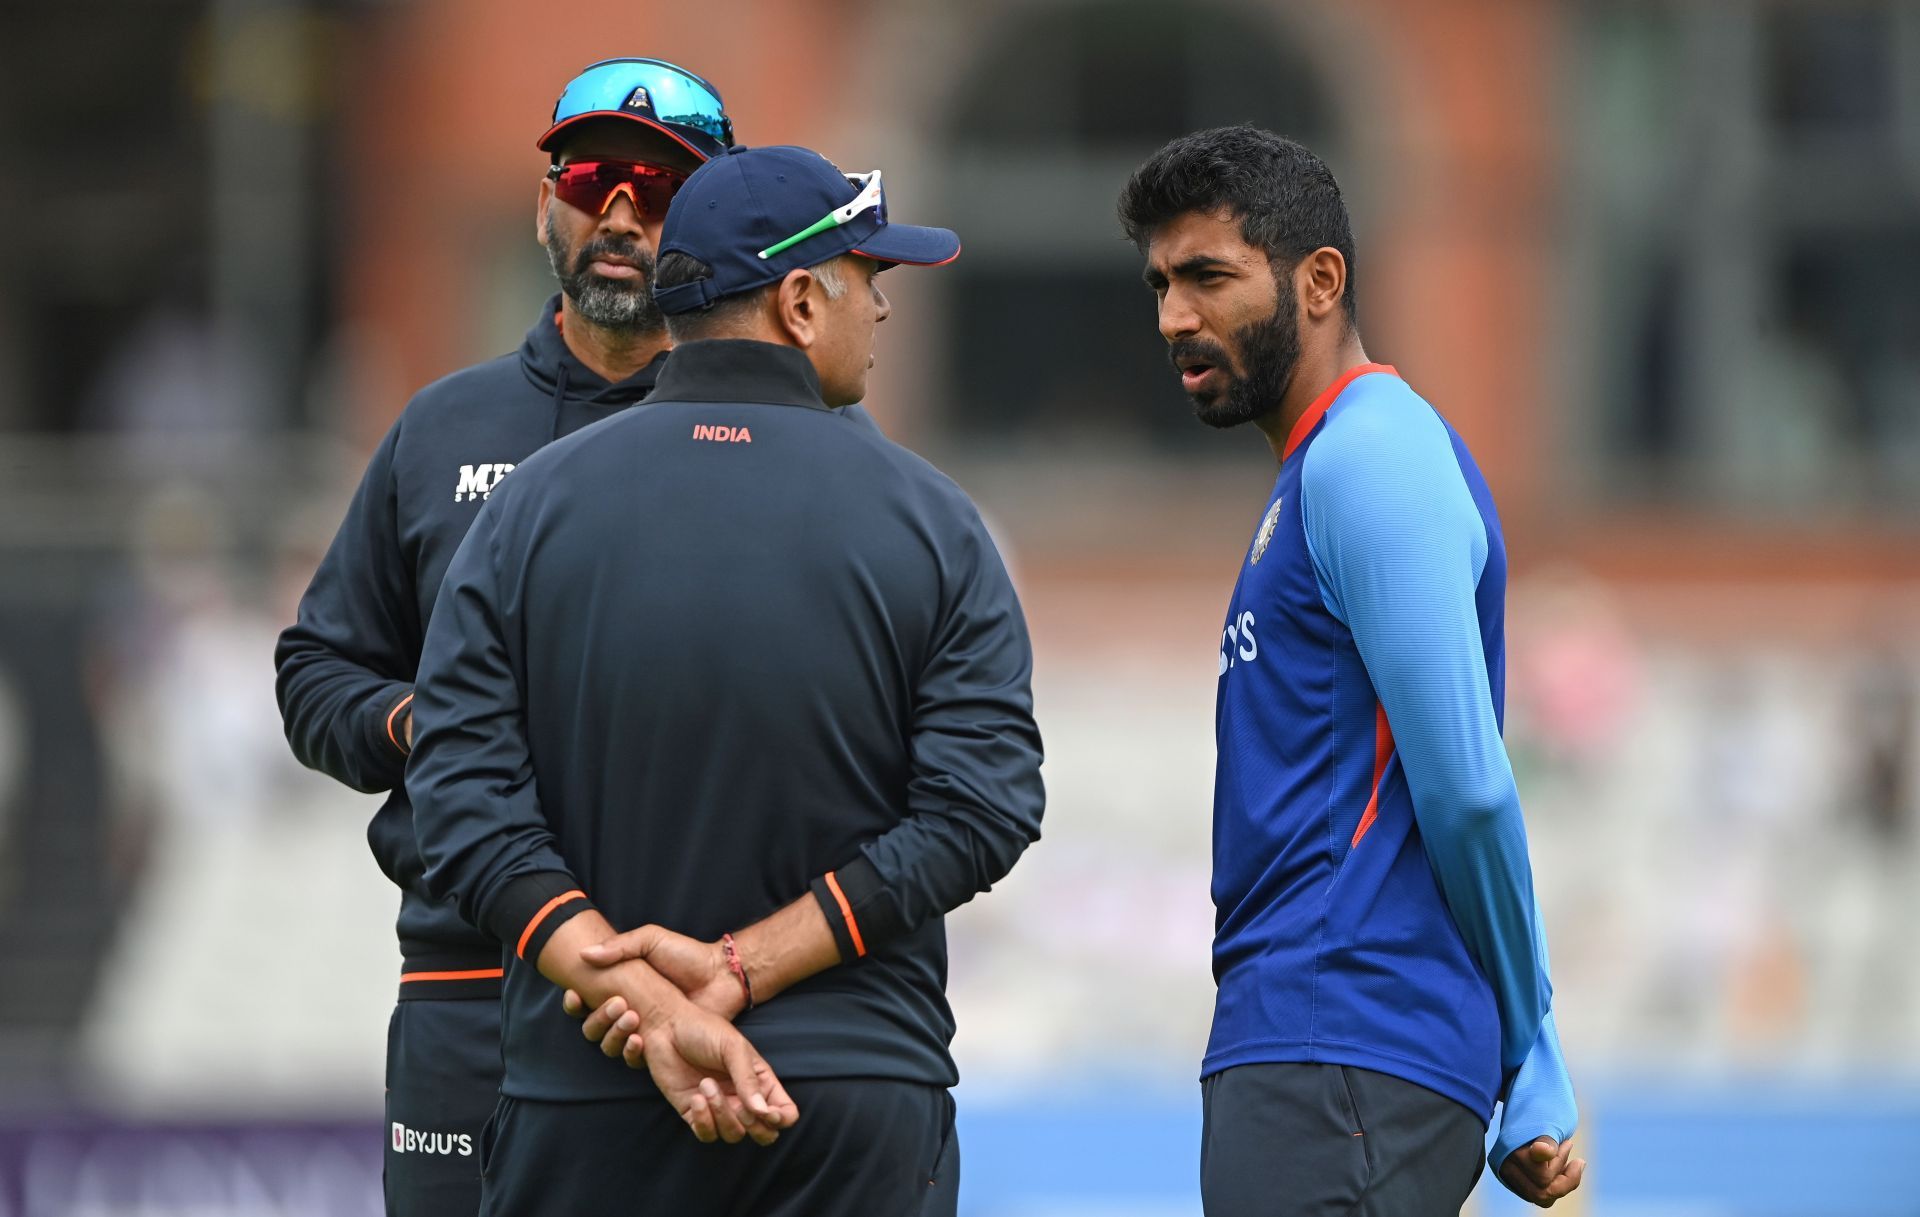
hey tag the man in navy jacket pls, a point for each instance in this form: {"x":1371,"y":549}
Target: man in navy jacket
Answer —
{"x":737,"y":665}
{"x":625,"y":133}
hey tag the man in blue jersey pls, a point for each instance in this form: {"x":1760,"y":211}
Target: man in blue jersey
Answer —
{"x":1381,"y":965}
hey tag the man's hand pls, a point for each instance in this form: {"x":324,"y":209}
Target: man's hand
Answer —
{"x":721,"y":1087}
{"x":1542,"y":1172}
{"x":698,"y":968}
{"x":777,"y":952}
{"x":715,"y":1080}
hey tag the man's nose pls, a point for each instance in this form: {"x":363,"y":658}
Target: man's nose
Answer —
{"x":622,"y":213}
{"x":883,"y":306}
{"x":1177,"y":319}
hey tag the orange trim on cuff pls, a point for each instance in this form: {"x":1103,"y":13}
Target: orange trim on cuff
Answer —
{"x":520,"y":949}
{"x":846,"y":911}
{"x":391,"y":714}
{"x":471,"y":974}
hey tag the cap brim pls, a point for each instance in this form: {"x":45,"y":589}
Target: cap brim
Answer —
{"x":910,"y":245}
{"x":553,"y":133}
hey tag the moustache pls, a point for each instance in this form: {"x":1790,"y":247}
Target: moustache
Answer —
{"x":608,"y":247}
{"x":1198,"y":350}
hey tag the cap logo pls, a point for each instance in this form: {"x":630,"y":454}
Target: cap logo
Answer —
{"x":637,"y":100}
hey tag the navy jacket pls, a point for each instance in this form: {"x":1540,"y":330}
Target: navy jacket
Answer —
{"x":702,"y":658}
{"x":347,"y":664}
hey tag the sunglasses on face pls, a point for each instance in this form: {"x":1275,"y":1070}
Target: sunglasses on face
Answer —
{"x":592,"y":186}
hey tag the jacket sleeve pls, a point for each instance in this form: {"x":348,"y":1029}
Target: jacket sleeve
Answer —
{"x":1399,"y":547}
{"x":975,"y":797}
{"x":345,"y":666}
{"x":476,"y":810}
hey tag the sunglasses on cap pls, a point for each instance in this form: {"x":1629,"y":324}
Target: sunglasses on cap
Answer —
{"x":592,"y":185}
{"x":659,"y":94}
{"x":870,"y":198}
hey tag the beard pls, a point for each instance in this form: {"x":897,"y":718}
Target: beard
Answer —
{"x":1268,"y":349}
{"x":625,"y":305}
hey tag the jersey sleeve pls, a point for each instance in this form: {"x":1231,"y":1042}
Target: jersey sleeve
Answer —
{"x":975,"y":797}
{"x":476,"y":810}
{"x":1398,"y":547}
{"x":1540,"y":1102}
{"x":345,"y":666}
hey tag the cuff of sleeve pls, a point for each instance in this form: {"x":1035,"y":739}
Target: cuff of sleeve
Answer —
{"x":1518,"y":1135}
{"x":387,"y":719}
{"x":859,"y":909}
{"x":531,"y":907}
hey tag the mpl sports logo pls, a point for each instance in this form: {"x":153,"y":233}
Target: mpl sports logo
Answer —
{"x":415,"y":1141}
{"x":478,"y":481}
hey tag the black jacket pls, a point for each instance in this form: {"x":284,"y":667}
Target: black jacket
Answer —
{"x":348,"y":661}
{"x":697,"y":659}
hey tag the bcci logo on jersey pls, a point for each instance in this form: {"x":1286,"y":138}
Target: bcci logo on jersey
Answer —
{"x":478,"y":481}
{"x":1265,"y":534}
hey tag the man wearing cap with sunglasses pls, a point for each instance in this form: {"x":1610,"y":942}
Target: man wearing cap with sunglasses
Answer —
{"x":770,"y":678}
{"x":625,"y":133}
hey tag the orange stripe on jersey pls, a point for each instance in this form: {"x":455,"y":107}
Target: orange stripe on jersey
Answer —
{"x":1382,"y":753}
{"x":520,"y":949}
{"x":846,"y":911}
{"x":470,"y":974}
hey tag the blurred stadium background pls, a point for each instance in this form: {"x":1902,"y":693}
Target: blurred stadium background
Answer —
{"x":1659,"y":260}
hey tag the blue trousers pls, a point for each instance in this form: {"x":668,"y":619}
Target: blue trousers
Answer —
{"x":1313,"y":1140}
{"x":864,"y":1147}
{"x":443,"y":1078}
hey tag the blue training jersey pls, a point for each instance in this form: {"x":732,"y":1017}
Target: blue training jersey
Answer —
{"x":1374,"y":899}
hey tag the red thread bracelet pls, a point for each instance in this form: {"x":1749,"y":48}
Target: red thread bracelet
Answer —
{"x":737,"y":968}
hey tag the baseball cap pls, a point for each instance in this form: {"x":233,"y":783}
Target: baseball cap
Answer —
{"x":664,"y":96}
{"x":756,"y":213}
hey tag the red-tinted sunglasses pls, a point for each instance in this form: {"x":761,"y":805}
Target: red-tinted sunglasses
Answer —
{"x":593,"y":185}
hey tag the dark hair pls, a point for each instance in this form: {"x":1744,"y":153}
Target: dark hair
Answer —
{"x":675,"y":268}
{"x":1283,"y":195}
{"x":720,"y":316}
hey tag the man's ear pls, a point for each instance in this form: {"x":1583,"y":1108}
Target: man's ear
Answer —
{"x":797,"y":307}
{"x":544,"y":201}
{"x":1322,"y":276}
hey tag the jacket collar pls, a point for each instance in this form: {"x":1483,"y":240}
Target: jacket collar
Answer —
{"x":552,"y":368}
{"x":739,"y":369}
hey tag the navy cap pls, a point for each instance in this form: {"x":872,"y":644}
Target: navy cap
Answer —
{"x":756,"y":213}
